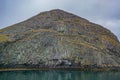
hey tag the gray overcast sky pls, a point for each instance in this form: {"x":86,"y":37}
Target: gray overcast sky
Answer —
{"x":103,"y":12}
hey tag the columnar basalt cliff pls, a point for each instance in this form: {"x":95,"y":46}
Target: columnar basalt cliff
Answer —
{"x":55,"y":39}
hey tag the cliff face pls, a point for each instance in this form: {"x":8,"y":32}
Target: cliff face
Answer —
{"x":58,"y":38}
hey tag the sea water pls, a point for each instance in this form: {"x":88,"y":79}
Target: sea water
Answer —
{"x":59,"y":75}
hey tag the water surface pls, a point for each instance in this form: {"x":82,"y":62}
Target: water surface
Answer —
{"x":58,"y":75}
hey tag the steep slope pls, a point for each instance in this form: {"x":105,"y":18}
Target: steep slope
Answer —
{"x":58,"y":39}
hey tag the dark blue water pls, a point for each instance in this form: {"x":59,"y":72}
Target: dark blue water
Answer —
{"x":59,"y":75}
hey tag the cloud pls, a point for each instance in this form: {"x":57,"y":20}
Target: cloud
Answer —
{"x":109,"y":8}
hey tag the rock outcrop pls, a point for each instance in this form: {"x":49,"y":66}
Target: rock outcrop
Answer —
{"x":58,"y":39}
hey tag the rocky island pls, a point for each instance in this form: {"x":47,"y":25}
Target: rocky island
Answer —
{"x":58,"y":39}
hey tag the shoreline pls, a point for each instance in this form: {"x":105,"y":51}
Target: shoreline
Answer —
{"x":74,"y":69}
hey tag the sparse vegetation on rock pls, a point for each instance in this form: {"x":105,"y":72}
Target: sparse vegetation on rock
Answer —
{"x":58,"y":39}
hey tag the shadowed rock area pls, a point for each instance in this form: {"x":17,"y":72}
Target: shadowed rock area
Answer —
{"x":58,"y":39}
